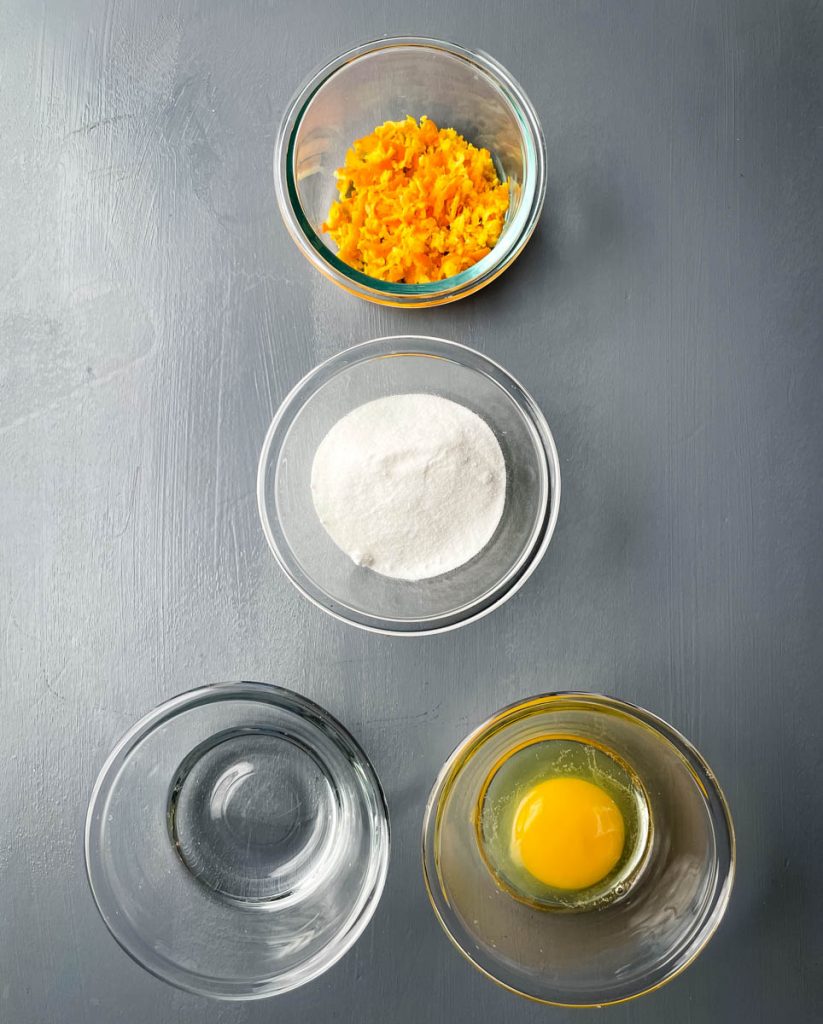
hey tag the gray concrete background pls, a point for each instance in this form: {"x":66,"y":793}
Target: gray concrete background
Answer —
{"x":667,"y":316}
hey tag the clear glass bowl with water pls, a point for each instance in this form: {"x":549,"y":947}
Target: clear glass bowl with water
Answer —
{"x":386,"y":80}
{"x":655,"y":913}
{"x":237,"y":841}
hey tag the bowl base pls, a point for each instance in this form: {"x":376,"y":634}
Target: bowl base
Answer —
{"x":252,"y":814}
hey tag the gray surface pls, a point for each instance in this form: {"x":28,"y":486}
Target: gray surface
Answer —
{"x":153,"y":312}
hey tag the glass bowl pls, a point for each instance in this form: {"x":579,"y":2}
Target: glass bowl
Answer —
{"x":404,"y":365}
{"x":386,"y":80}
{"x":237,"y":841}
{"x":651,"y":927}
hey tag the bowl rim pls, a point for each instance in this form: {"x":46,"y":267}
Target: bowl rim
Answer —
{"x":704,"y":778}
{"x":434,"y":292}
{"x":526,"y":405}
{"x":296,"y":703}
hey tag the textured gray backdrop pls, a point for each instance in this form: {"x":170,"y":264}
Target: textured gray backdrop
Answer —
{"x":666,"y":315}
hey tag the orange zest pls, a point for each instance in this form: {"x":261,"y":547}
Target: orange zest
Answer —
{"x":417,"y":203}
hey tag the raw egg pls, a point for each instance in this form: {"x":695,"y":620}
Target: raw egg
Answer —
{"x":568,"y":833}
{"x":563,"y":824}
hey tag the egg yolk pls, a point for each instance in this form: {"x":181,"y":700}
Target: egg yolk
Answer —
{"x":568,"y":833}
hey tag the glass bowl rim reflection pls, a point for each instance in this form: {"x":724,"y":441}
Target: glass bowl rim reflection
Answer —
{"x":512,"y":240}
{"x":438,"y":348}
{"x":704,"y":779}
{"x":255,"y":692}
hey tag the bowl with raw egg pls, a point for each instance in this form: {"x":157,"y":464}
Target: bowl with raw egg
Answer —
{"x":578,"y":850}
{"x":410,"y":171}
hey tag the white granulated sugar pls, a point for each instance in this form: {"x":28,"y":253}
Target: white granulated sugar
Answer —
{"x":411,"y":486}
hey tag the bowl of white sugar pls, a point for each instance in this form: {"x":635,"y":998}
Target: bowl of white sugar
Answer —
{"x":408,"y":485}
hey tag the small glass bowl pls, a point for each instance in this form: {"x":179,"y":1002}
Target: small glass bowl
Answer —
{"x":407,"y":364}
{"x":651,"y":928}
{"x":237,"y":841}
{"x":386,"y":80}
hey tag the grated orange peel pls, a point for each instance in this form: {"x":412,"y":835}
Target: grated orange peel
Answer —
{"x":417,"y":203}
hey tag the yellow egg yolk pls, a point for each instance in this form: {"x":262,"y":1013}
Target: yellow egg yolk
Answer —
{"x":568,"y":833}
